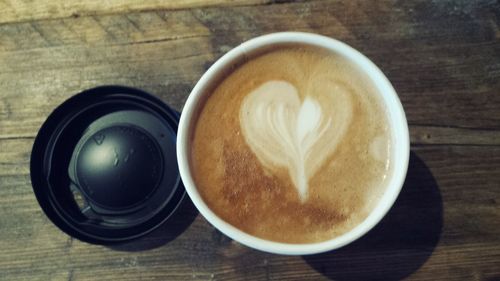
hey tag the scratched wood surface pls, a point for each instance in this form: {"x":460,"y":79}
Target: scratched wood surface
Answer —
{"x":443,"y":58}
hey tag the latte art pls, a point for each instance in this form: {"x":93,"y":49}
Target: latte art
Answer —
{"x":285,"y":132}
{"x":292,"y":145}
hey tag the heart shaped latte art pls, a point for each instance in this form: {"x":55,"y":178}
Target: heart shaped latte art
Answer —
{"x":285,"y":132}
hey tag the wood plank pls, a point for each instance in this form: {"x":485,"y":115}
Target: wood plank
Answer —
{"x":425,"y":236}
{"x":101,"y":30}
{"x":421,"y":135}
{"x":167,"y":69}
{"x":25,"y":10}
{"x":15,"y":156}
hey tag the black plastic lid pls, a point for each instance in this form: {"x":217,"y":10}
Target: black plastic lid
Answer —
{"x":104,"y":167}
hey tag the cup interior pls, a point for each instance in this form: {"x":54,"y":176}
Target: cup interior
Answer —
{"x":396,"y":118}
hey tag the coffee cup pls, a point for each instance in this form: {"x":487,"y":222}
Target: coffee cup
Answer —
{"x":268,"y":150}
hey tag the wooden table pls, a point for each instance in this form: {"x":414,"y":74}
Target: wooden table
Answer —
{"x":443,"y":58}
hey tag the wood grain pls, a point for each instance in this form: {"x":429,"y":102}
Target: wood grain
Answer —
{"x":25,"y":10}
{"x":443,"y":57}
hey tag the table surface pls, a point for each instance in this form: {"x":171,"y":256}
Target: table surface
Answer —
{"x":443,"y":58}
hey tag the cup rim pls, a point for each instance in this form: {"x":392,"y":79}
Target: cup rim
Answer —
{"x":399,"y":126}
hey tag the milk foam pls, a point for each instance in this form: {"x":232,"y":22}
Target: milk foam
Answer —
{"x":294,"y":116}
{"x":284,"y":131}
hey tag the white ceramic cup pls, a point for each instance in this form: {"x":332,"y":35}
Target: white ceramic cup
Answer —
{"x":397,"y":120}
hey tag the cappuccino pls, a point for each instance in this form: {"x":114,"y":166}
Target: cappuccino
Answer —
{"x":293,"y":145}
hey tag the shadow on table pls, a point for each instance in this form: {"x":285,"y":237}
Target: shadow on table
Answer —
{"x":401,"y":243}
{"x":168,"y":231}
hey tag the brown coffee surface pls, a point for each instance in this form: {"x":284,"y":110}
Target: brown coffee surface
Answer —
{"x":292,"y":146}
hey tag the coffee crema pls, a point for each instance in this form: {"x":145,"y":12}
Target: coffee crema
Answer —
{"x":292,"y":146}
